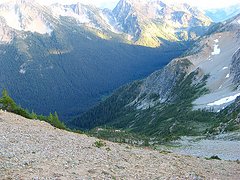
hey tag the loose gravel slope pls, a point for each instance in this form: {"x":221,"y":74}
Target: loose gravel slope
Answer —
{"x":31,"y":149}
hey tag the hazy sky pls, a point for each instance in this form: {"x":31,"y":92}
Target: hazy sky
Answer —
{"x":204,"y":4}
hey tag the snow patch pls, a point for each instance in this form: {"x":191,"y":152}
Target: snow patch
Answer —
{"x":24,"y":20}
{"x":89,"y":38}
{"x":216,"y":50}
{"x":224,"y":100}
{"x":69,"y":12}
{"x":37,"y":25}
{"x":228,"y":75}
{"x":22,"y":71}
{"x":112,"y":28}
{"x":238,"y":21}
{"x":224,"y":68}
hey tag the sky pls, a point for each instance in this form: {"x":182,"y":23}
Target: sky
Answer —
{"x":203,"y":4}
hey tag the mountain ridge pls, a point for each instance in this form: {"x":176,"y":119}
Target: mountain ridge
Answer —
{"x":181,"y":99}
{"x":66,"y":55}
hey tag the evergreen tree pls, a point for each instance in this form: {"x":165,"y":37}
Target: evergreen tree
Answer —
{"x":6,"y":102}
{"x":54,"y":120}
{"x":34,"y":115}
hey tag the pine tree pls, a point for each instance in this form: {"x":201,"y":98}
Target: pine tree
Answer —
{"x":54,"y":120}
{"x":50,"y":118}
{"x":57,"y":122}
{"x":6,"y":102}
{"x":34,"y":115}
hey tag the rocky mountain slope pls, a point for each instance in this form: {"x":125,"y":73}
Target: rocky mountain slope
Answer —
{"x":147,"y":23}
{"x":31,"y":149}
{"x":183,"y":98}
{"x":151,"y":23}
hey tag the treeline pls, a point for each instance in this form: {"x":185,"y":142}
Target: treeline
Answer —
{"x":8,"y":104}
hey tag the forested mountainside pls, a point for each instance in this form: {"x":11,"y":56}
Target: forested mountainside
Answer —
{"x":190,"y":96}
{"x":51,"y":62}
{"x":69,"y":57}
{"x":176,"y":114}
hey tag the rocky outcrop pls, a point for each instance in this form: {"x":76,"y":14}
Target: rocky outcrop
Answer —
{"x":31,"y":149}
{"x":158,"y":86}
{"x":127,"y":19}
{"x":235,"y":67}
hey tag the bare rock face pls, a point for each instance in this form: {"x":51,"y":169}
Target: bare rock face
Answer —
{"x":31,"y":149}
{"x":235,"y":69}
{"x":158,"y":86}
{"x":6,"y":35}
{"x":127,"y":19}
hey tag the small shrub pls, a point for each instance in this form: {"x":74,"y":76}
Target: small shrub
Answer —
{"x":99,"y":144}
{"x":165,"y":152}
{"x":108,"y":149}
{"x":214,"y":157}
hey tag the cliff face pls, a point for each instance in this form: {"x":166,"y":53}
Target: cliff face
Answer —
{"x":31,"y":149}
{"x":235,"y":68}
{"x":158,"y":87}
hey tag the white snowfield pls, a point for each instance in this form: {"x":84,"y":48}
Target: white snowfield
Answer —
{"x":22,"y":71}
{"x":216,"y":50}
{"x":224,"y":100}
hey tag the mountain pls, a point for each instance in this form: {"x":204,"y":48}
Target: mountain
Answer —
{"x":192,"y":95}
{"x":32,"y":149}
{"x":82,"y":53}
{"x":52,"y":62}
{"x":146,"y":23}
{"x":222,"y":14}
{"x":25,"y":15}
{"x":151,"y":23}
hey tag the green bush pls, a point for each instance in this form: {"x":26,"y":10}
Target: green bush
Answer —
{"x":214,"y":157}
{"x":99,"y":144}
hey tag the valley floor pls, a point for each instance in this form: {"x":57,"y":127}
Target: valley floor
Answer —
{"x":31,"y":149}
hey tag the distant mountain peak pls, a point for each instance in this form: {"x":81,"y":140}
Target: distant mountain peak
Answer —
{"x":222,"y":14}
{"x":25,"y":15}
